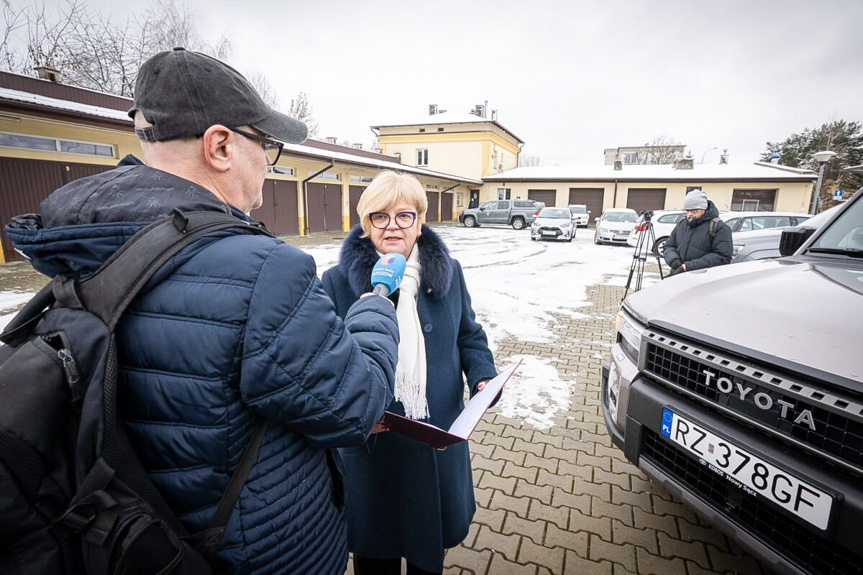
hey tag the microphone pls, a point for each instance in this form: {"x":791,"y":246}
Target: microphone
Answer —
{"x":388,"y":273}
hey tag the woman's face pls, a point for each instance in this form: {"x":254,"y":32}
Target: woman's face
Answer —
{"x":392,"y":238}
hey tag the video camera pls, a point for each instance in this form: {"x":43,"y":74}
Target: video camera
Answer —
{"x":647,"y":215}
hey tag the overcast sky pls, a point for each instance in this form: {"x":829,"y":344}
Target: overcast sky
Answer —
{"x":568,"y":77}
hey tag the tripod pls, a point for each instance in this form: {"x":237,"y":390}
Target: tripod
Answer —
{"x":639,"y":258}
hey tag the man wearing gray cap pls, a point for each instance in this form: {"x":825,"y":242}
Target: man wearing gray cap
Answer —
{"x":233,"y":330}
{"x":699,"y":241}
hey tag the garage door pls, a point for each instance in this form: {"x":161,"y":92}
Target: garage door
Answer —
{"x":25,"y":183}
{"x":446,"y":208}
{"x":590,"y":197}
{"x":325,"y":207}
{"x":545,"y":196}
{"x":354,"y":193}
{"x":432,"y":213}
{"x":640,"y":199}
{"x":278,"y":209}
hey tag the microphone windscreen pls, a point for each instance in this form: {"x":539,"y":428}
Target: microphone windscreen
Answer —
{"x":388,"y":273}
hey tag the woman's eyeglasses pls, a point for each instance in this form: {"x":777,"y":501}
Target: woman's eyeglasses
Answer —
{"x":381,"y":220}
{"x":272,"y":148}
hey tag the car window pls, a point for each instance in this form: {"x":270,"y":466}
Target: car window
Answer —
{"x":503,"y":205}
{"x":669,"y":218}
{"x":525,"y":205}
{"x":554,"y":213}
{"x":620,"y":217}
{"x":488,"y":206}
{"x":577,"y":209}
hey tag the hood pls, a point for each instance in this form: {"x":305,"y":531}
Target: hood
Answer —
{"x":358,"y":257}
{"x":81,"y":224}
{"x":556,"y":222}
{"x":805,"y":315}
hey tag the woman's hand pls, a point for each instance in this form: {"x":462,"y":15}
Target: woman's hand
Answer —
{"x":379,"y":427}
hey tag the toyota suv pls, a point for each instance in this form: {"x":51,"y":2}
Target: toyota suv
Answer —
{"x":740,"y":389}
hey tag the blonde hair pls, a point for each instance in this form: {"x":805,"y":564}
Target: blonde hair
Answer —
{"x":387,"y":189}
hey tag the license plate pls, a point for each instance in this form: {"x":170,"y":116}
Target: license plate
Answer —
{"x":749,"y":472}
{"x":547,"y":233}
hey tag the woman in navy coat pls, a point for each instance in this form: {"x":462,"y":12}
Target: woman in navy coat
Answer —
{"x":406,"y":499}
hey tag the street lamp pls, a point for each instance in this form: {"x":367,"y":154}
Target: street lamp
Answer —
{"x":822,"y":158}
{"x":705,"y":153}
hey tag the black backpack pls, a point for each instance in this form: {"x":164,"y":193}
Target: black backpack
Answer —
{"x":74,"y":498}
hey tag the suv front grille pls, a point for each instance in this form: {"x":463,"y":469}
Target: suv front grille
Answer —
{"x":781,"y":406}
{"x":782,"y":534}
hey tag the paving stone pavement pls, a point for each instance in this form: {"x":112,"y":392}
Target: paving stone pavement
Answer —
{"x":561,"y":501}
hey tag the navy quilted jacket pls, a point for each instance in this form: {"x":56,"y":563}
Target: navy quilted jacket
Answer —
{"x":235,"y":327}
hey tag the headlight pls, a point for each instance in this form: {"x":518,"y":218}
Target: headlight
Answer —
{"x":565,"y":226}
{"x":630,"y":333}
{"x":534,"y":225}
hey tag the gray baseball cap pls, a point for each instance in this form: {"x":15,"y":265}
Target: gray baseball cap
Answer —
{"x":183,"y":93}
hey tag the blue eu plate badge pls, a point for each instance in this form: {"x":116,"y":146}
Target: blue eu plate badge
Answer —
{"x":667,"y":420}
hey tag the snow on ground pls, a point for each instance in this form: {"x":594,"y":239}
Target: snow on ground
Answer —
{"x":516,"y":285}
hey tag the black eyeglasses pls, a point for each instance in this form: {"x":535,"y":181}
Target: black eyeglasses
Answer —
{"x":272,"y":148}
{"x":381,"y":220}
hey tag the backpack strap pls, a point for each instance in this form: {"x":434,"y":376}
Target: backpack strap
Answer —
{"x":112,"y":288}
{"x":714,"y":223}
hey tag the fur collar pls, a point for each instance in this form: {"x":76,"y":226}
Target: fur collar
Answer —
{"x":358,"y":257}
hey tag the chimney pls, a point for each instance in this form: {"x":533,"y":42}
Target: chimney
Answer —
{"x":357,"y":146}
{"x":479,"y":110}
{"x":48,"y":73}
{"x":618,"y":165}
{"x":432,"y":109}
{"x":331,"y":139}
{"x":723,"y":159}
{"x":494,"y":114}
{"x":686,"y":163}
{"x":378,"y":150}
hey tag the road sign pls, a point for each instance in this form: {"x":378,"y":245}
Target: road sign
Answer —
{"x":837,"y":195}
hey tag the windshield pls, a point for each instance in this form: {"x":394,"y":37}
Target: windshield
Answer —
{"x":619,"y":217}
{"x":846,"y":233}
{"x":578,"y":209}
{"x":554,"y":213}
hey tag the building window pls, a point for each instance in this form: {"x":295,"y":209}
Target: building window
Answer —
{"x":422,"y":157}
{"x":432,"y":187}
{"x":690,"y":188}
{"x":55,"y":145}
{"x":325,"y":175}
{"x":440,"y":129}
{"x":283,"y":170}
{"x":361,"y":179}
{"x":753,"y":200}
{"x":630,"y":158}
{"x":422,"y":130}
{"x":504,"y":193}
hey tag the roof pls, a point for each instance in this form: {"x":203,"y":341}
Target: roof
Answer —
{"x":314,"y":150}
{"x":447,"y":118}
{"x":758,"y":171}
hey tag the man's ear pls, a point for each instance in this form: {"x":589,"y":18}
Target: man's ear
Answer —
{"x":219,"y":147}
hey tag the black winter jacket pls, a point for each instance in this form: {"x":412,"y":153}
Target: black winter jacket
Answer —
{"x":690,"y":242}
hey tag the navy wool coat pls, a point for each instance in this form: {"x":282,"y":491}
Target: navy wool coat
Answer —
{"x":690,"y":242}
{"x":234,"y":328}
{"x":405,"y":498}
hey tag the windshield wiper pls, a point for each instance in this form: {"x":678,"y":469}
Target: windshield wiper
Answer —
{"x":853,"y":252}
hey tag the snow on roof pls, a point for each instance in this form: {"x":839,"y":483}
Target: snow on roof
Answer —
{"x":357,"y":159}
{"x":756,"y":171}
{"x":446,"y":118}
{"x":67,"y":105}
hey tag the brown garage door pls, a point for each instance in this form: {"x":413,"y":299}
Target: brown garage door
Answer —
{"x":446,"y":207}
{"x":324,"y":207}
{"x":354,"y":193}
{"x":590,"y":197}
{"x":545,"y":196}
{"x":432,"y":215}
{"x":278,"y":210}
{"x":25,"y":183}
{"x":640,"y":199}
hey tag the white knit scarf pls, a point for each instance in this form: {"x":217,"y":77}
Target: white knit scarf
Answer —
{"x":411,"y":367}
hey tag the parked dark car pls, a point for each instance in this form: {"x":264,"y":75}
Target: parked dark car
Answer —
{"x":516,"y":213}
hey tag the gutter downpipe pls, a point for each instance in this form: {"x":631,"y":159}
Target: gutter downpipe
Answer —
{"x":306,"y":195}
{"x":614,"y":202}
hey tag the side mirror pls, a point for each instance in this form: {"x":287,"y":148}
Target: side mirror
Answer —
{"x":596,"y":219}
{"x":793,"y":238}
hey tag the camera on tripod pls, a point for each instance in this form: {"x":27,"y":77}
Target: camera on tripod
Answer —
{"x":647,"y":214}
{"x":646,"y":238}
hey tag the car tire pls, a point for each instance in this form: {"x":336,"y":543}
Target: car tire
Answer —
{"x":570,"y":238}
{"x":533,"y":239}
{"x":596,"y":240}
{"x":518,"y":224}
{"x":469,"y":222}
{"x":659,"y":247}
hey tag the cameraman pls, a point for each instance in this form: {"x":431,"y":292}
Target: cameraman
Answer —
{"x":701,"y":240}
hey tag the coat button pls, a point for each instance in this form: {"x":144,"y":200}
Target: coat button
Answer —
{"x":427,"y":327}
{"x":429,"y":290}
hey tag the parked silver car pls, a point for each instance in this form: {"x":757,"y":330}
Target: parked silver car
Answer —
{"x":764,"y":244}
{"x":614,"y":225}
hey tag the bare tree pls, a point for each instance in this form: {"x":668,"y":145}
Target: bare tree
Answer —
{"x":265,"y":89}
{"x":525,"y":161}
{"x":662,"y":150}
{"x":301,"y":110}
{"x":13,"y":19}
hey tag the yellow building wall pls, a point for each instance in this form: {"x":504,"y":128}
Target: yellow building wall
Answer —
{"x":462,"y":158}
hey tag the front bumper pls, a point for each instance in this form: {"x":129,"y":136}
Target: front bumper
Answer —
{"x":547,"y":233}
{"x":784,"y":542}
{"x":612,"y":237}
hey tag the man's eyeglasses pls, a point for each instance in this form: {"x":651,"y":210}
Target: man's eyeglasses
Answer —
{"x":381,"y":220}
{"x":272,"y":148}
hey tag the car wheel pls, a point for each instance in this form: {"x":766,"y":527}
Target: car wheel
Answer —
{"x":469,"y":221}
{"x":596,"y":239}
{"x":570,"y":237}
{"x":659,"y":247}
{"x":518,"y":224}
{"x":533,"y":239}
